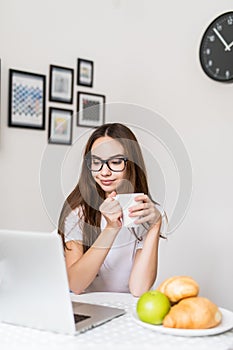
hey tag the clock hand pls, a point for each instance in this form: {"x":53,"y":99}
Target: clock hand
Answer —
{"x":230,"y":45}
{"x":227,"y":48}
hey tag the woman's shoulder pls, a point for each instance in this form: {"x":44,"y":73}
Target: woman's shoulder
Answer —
{"x":164,"y":220}
{"x":75,"y":214}
{"x":160,"y":209}
{"x":72,"y":227}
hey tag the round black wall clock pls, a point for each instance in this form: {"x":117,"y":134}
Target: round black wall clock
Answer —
{"x":216,"y":50}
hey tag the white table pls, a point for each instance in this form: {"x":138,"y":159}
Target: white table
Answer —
{"x":120,"y":333}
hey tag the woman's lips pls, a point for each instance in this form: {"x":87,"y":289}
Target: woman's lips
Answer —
{"x":106,"y":182}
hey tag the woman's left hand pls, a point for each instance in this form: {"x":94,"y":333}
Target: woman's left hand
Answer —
{"x":146,"y":210}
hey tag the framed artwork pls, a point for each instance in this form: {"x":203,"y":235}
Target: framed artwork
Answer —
{"x":91,"y":109}
{"x":26,"y":100}
{"x":60,"y":126}
{"x":85,"y":72}
{"x":61,"y":81}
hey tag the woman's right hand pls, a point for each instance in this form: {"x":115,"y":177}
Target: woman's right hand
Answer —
{"x":112,"y":211}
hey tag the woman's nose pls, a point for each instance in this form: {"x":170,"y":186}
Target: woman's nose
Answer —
{"x":105,"y":170}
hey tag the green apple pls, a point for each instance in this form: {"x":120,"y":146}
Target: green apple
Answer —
{"x":152,"y":307}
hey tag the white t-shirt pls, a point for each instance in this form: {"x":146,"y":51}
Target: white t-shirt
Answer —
{"x":115,"y":271}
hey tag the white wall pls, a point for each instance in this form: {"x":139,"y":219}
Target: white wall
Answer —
{"x":145,"y":55}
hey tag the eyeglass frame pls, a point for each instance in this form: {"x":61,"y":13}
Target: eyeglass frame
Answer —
{"x":105,"y":161}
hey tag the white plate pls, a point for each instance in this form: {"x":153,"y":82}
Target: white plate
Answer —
{"x":225,"y":325}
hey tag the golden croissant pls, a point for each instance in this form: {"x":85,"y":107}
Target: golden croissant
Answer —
{"x":179,"y":287}
{"x":193,"y":313}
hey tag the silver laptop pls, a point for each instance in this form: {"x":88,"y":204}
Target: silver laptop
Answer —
{"x":34,"y":289}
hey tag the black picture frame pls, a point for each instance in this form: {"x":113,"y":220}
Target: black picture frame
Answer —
{"x":61,"y":84}
{"x":85,"y":69}
{"x":90,"y":109}
{"x":26,"y":100}
{"x":60,"y":126}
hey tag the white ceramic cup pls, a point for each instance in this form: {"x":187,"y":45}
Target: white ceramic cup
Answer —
{"x":126,"y":201}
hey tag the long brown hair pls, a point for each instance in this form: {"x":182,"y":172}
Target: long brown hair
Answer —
{"x":88,"y":195}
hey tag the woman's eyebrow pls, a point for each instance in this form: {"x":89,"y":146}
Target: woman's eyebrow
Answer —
{"x":115,"y":156}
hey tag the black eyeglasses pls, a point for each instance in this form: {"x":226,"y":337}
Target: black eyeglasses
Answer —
{"x":116,"y":164}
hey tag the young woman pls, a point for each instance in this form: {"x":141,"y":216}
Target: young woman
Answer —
{"x":101,"y":254}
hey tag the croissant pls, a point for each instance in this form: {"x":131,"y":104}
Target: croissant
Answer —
{"x":193,"y":313}
{"x":179,"y":287}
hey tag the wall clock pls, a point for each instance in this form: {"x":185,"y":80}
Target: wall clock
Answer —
{"x":216,"y":49}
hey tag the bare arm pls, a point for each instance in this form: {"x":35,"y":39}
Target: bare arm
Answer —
{"x":144,"y":269}
{"x":82,"y":268}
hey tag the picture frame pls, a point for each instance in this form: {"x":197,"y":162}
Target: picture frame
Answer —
{"x":85,"y":72}
{"x":61,"y":84}
{"x":90,"y":109}
{"x":60,"y":126}
{"x":26,"y":100}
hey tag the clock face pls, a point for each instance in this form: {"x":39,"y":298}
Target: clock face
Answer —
{"x":216,"y":50}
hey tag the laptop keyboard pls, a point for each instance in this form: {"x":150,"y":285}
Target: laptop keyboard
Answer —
{"x":78,"y":318}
